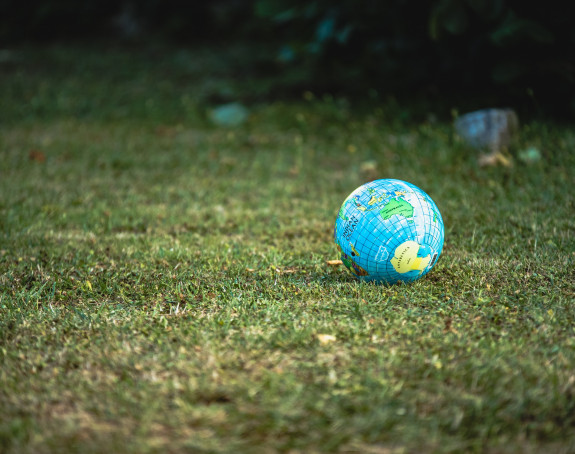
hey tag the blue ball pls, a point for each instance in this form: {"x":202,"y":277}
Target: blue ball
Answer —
{"x":389,"y":231}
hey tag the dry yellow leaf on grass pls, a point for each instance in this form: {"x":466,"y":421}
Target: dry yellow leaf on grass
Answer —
{"x":288,"y":270}
{"x":326,"y":338}
{"x":334,"y":262}
{"x":493,"y":159}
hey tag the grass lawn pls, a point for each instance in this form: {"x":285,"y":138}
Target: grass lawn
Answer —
{"x":164,"y":286}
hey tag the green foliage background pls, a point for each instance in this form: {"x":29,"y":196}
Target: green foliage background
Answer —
{"x":519,"y":53}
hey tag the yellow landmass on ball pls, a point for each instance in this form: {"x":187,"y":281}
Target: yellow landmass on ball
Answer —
{"x":405,"y":258}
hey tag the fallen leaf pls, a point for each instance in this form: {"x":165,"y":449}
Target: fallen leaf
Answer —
{"x":334,"y":262}
{"x":294,"y":171}
{"x":325,"y":339}
{"x":493,"y":159}
{"x":36,"y":155}
{"x":288,"y":270}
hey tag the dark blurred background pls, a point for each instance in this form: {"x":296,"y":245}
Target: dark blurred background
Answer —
{"x":492,"y":52}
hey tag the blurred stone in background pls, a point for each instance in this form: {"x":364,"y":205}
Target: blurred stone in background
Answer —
{"x":491,"y":131}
